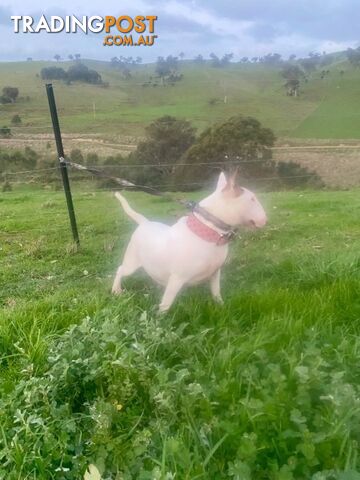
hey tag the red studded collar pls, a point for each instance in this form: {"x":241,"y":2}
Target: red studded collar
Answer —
{"x":207,"y":233}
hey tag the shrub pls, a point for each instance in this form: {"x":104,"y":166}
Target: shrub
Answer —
{"x":213,"y":101}
{"x":7,"y":186}
{"x":76,"y":156}
{"x":291,"y":174}
{"x":16,"y":160}
{"x":92,"y":159}
{"x":11,"y":92}
{"x":16,"y":120}
{"x":114,"y":168}
{"x":4,"y":99}
{"x":5,"y":132}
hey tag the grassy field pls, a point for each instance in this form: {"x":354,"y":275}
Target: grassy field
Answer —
{"x":326,"y":108}
{"x":265,"y":387}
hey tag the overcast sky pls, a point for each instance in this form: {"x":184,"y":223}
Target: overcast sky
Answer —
{"x":243,"y":27}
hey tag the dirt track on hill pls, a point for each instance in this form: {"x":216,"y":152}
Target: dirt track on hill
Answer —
{"x":338,"y":163}
{"x":44,"y":143}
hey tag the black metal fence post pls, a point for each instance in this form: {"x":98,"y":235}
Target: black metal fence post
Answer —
{"x":63,"y":166}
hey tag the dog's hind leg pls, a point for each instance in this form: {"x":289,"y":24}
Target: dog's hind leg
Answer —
{"x":130,"y":264}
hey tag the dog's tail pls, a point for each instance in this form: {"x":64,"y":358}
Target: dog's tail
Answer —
{"x":137,"y":217}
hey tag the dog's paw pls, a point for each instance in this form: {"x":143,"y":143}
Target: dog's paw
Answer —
{"x":219,"y":300}
{"x":162,"y":309}
{"x":116,"y":291}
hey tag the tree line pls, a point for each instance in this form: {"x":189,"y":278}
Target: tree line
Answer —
{"x":176,"y":158}
{"x":77,"y":72}
{"x":173,"y":157}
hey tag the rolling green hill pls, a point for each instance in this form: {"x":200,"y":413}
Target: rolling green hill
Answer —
{"x":327,"y":108}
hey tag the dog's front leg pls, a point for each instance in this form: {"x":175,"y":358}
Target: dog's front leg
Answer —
{"x":215,"y":287}
{"x":173,"y":287}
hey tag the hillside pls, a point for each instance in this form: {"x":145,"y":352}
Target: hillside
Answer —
{"x":327,"y":108}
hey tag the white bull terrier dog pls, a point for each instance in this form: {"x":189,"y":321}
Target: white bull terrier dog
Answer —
{"x":194,"y":249}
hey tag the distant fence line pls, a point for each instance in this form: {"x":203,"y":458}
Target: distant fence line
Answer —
{"x":31,"y":174}
{"x":337,"y":165}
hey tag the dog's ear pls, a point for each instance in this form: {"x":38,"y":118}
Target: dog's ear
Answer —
{"x":233,"y":177}
{"x":222,"y":182}
{"x":231,"y":187}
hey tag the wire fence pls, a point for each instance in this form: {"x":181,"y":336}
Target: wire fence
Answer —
{"x":31,"y":172}
{"x":49,"y":219}
{"x":173,"y":186}
{"x":99,"y":124}
{"x":97,"y":180}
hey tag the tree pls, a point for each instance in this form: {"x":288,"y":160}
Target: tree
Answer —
{"x":166,"y":67}
{"x":126,"y":73}
{"x":16,"y":119}
{"x":199,"y":59}
{"x":71,"y":57}
{"x":76,"y":72}
{"x":138,"y":60}
{"x":29,"y":59}
{"x":292,"y":85}
{"x":77,"y":56}
{"x":215,"y":61}
{"x":221,"y":62}
{"x":57,"y":57}
{"x":292,"y":74}
{"x":11,"y":92}
{"x":272,"y":58}
{"x":241,"y":140}
{"x":80,"y":72}
{"x":181,"y":55}
{"x":353,"y":55}
{"x":53,"y":73}
{"x":310,"y":64}
{"x":167,"y":139}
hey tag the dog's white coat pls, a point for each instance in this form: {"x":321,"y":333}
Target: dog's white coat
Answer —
{"x":174,"y":256}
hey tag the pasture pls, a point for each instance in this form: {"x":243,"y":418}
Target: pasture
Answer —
{"x":265,"y":387}
{"x":325,"y":109}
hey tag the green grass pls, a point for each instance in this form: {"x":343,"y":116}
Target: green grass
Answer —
{"x":325,"y":109}
{"x":264,"y":387}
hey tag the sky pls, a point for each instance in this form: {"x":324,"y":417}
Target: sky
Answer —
{"x":243,"y":27}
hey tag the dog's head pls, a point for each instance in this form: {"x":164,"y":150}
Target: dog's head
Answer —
{"x":235,"y":205}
